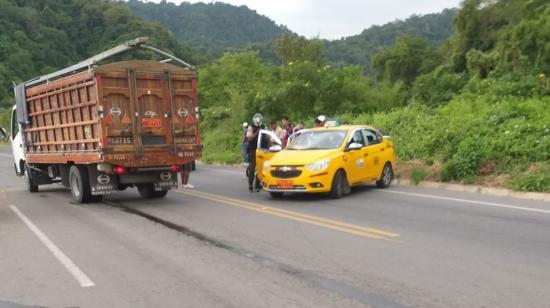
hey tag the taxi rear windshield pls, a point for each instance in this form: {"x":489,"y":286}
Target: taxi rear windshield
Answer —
{"x":318,"y":140}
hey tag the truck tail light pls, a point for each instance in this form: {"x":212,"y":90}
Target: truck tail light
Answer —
{"x":120,"y":170}
{"x":175,"y":168}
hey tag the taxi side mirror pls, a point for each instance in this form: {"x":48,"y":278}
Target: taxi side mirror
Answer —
{"x":354,"y":146}
{"x":275,"y":148}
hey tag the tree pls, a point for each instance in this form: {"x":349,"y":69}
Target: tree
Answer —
{"x":289,"y":47}
{"x":408,"y":58}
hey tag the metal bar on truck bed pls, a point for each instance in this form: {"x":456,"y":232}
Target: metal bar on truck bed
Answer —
{"x":169,"y":56}
{"x":91,"y":61}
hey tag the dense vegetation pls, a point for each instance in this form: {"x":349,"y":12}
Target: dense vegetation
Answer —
{"x":217,"y":27}
{"x":212,"y":27}
{"x":360,"y":49}
{"x":474,"y":109}
{"x":38,"y":37}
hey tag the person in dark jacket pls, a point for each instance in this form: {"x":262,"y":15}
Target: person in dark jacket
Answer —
{"x":252,"y":135}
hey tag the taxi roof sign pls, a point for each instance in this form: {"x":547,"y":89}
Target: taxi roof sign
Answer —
{"x":332,"y":123}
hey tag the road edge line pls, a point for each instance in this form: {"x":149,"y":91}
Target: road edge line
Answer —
{"x":69,"y":265}
{"x":492,"y":204}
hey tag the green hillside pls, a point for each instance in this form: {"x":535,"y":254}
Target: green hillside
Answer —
{"x":38,"y":37}
{"x":360,"y":49}
{"x":475,"y":109}
{"x":471,"y":108}
{"x":213,"y":27}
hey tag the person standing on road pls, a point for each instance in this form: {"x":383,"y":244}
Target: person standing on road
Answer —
{"x":276,"y":129}
{"x":317,"y":123}
{"x":252,"y":135}
{"x":285,"y":121}
{"x":298,"y":128}
{"x":244,"y":145}
{"x":287,"y":132}
{"x":185,"y":170}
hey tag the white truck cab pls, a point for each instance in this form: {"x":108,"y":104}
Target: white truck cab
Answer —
{"x":16,"y":140}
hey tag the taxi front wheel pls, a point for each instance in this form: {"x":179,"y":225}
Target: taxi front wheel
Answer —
{"x":339,"y":185}
{"x":386,"y":177}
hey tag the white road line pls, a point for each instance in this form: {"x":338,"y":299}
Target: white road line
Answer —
{"x":79,"y":275}
{"x":507,"y":206}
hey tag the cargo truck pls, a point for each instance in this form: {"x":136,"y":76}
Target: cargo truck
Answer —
{"x":99,"y":127}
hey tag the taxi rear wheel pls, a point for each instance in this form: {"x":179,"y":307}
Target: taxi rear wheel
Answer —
{"x":339,"y":185}
{"x":386,"y":177}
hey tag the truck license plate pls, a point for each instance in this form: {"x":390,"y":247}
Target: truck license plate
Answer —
{"x":166,"y":185}
{"x":285,"y":185}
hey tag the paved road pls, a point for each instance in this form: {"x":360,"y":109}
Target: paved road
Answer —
{"x":220,"y":246}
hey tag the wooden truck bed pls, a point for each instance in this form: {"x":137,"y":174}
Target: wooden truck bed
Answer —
{"x":131,"y":113}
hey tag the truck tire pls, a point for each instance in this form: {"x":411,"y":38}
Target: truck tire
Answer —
{"x":160,"y":194}
{"x":31,"y":187}
{"x":79,"y":182}
{"x":147,"y":191}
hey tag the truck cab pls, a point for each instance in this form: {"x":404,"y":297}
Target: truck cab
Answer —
{"x":17,"y":143}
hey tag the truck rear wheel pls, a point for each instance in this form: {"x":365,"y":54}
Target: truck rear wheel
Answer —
{"x":79,"y":183}
{"x":31,"y":186}
{"x":385,"y":177}
{"x":147,"y":191}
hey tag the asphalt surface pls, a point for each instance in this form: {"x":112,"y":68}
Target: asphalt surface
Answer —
{"x":220,"y":246}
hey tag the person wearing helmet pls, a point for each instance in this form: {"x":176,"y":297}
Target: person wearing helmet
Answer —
{"x":252,"y":134}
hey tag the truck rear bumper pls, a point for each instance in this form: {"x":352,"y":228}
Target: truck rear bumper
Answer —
{"x":162,"y":178}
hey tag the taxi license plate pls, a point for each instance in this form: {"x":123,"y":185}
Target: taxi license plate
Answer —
{"x":285,"y":185}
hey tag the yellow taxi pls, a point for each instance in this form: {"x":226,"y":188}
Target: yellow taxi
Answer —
{"x":325,"y":160}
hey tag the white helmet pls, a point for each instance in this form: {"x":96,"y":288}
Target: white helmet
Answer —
{"x":258,"y":119}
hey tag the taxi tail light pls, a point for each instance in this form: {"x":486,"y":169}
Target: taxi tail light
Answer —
{"x":120,"y":170}
{"x":175,"y":168}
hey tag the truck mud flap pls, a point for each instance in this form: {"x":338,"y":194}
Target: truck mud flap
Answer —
{"x":102,"y":183}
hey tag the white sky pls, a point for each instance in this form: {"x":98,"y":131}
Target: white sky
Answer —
{"x":333,"y":19}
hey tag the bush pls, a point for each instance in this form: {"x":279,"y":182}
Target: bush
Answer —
{"x":538,"y":180}
{"x":467,"y":131}
{"x":464,"y":164}
{"x":222,"y":145}
{"x":438,"y":87}
{"x":418,"y":174}
{"x":5,"y":119}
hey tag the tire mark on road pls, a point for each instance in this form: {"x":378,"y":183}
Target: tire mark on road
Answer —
{"x":343,"y":289}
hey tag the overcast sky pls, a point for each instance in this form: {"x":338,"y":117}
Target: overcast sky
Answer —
{"x":333,"y":19}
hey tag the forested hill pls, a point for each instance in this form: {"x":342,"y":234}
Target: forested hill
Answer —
{"x":217,"y":27}
{"x":213,"y":27}
{"x":38,"y":37}
{"x":360,"y":49}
